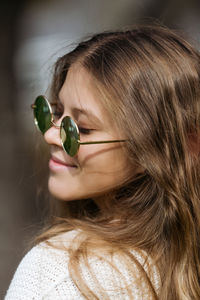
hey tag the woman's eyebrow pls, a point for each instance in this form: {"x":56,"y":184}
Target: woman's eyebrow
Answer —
{"x":76,"y":112}
{"x":59,"y":99}
{"x":88,"y":113}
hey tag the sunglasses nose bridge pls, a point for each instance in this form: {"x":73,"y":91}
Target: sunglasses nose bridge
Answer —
{"x":55,"y":125}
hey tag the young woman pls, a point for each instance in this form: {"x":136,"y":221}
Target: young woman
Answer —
{"x":123,"y":130}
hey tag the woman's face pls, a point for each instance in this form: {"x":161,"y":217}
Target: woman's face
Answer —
{"x":96,"y":168}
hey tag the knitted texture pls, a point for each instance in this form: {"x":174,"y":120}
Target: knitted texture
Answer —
{"x":43,"y":274}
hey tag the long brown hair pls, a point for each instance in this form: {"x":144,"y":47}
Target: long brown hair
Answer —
{"x":149,"y":77}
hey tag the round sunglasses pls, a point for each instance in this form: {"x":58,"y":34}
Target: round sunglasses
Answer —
{"x":69,"y":131}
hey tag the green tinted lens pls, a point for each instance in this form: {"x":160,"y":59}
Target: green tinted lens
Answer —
{"x":69,"y":136}
{"x":42,"y":114}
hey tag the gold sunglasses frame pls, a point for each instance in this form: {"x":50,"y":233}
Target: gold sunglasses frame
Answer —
{"x":57,"y":126}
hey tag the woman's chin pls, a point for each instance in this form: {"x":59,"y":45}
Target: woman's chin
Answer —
{"x":63,"y":191}
{"x":58,"y":191}
{"x":73,"y":189}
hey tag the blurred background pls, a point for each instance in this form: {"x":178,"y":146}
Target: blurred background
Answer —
{"x":33,"y":35}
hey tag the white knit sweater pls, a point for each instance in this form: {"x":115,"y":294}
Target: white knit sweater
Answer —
{"x":43,"y":274}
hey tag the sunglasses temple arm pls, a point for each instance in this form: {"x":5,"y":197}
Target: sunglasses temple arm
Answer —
{"x":101,"y":142}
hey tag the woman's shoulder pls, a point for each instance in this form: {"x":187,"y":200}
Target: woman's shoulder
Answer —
{"x":44,"y":272}
{"x":122,"y":274}
{"x":41,"y":269}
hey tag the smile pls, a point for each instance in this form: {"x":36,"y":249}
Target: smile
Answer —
{"x":56,"y":165}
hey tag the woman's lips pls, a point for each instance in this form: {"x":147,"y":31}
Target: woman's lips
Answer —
{"x":56,"y":164}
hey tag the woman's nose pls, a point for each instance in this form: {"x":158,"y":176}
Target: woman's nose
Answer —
{"x":52,"y":136}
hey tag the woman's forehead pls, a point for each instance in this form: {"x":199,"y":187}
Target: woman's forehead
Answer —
{"x":78,"y":93}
